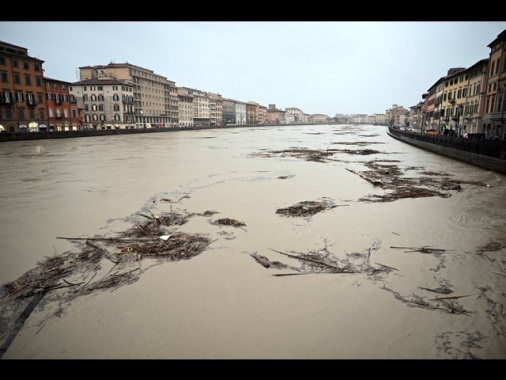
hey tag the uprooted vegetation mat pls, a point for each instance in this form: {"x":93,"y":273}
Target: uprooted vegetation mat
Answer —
{"x":391,"y":178}
{"x":385,"y":174}
{"x":77,"y":273}
{"x":307,"y":208}
{"x":107,"y":263}
{"x":324,"y":261}
{"x":316,"y":155}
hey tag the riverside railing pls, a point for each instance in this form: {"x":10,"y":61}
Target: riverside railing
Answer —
{"x":487,"y":147}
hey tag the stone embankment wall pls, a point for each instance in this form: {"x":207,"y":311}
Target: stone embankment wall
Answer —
{"x":486,"y":153}
{"x":22,"y":136}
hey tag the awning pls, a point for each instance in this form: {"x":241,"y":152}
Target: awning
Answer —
{"x":33,"y":125}
{"x":23,"y":127}
{"x":42,"y":126}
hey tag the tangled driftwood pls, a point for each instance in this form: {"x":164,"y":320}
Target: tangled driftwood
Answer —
{"x":307,"y":208}
{"x":383,"y":174}
{"x":76,"y":271}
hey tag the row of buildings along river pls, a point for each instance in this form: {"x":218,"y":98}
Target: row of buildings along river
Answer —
{"x":123,"y":96}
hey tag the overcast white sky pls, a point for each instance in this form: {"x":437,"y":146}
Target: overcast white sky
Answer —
{"x":320,"y":67}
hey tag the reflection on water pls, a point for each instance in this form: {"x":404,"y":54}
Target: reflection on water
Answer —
{"x":222,"y":303}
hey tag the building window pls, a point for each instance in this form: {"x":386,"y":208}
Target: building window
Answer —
{"x":63,"y":87}
{"x":66,"y":112}
{"x":38,"y":82}
{"x":5,"y":78}
{"x":2,"y":61}
{"x":100,"y":98}
{"x":40,"y":97}
{"x":26,"y":66}
{"x":14,"y":63}
{"x":17,"y":79}
{"x":100,"y":107}
{"x":117,"y":117}
{"x":58,"y":112}
{"x":6,"y":97}
{"x":85,"y":97}
{"x":19,"y":96}
{"x":55,"y":86}
{"x":36,"y":66}
{"x":115,"y":97}
{"x":94,"y":117}
{"x":93,"y":97}
{"x":49,"y":96}
{"x":21,"y":113}
{"x":102,"y":117}
{"x":28,"y":80}
{"x":94,"y":107}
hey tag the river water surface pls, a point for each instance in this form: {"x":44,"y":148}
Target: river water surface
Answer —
{"x":222,"y":304}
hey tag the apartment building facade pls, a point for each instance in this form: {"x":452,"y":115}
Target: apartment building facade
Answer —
{"x":154,"y":96}
{"x":275,"y":115}
{"x":240,"y":113}
{"x":201,"y":116}
{"x":474,"y":108}
{"x":105,"y":103}
{"x":22,"y":94}
{"x":262,"y":114}
{"x":252,"y":112}
{"x":185,"y":108}
{"x":495,"y":106}
{"x":63,"y":112}
{"x":318,"y":118}
{"x":296,"y":113}
{"x":216,"y":109}
{"x":472,"y":100}
{"x":228,"y":111}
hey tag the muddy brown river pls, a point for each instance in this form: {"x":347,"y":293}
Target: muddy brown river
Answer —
{"x":321,"y":242}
